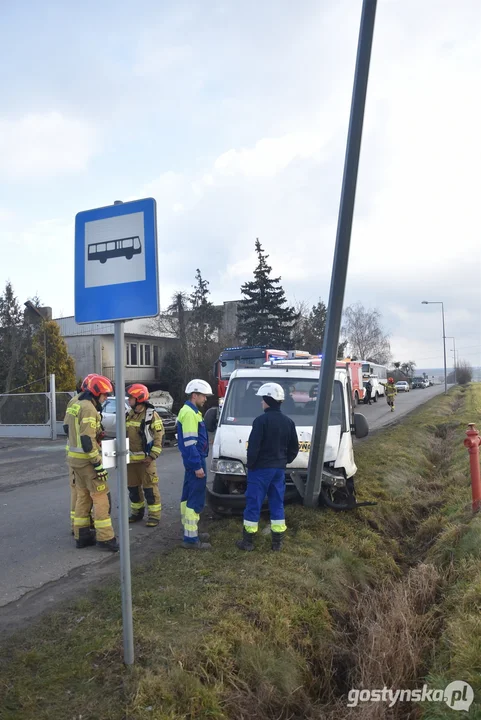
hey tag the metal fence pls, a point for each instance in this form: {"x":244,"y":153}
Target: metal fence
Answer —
{"x":25,"y":409}
{"x":33,"y":415}
{"x":63,"y":399}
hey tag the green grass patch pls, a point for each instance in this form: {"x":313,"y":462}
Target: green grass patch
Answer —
{"x":385,"y":594}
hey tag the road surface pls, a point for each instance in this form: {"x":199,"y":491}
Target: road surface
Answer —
{"x":40,"y":564}
{"x":379,"y":414}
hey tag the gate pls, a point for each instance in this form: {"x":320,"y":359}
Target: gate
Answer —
{"x":33,"y":415}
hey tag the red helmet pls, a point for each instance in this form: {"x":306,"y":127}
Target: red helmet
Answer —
{"x":99,"y":385}
{"x":391,"y":380}
{"x":139,"y":392}
{"x":85,"y":382}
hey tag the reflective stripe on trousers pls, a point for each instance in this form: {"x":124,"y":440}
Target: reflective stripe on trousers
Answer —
{"x":262,"y":482}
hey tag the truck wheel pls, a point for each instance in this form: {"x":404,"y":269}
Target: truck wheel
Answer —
{"x":339,"y":499}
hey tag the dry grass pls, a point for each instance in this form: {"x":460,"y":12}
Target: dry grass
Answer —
{"x":230,"y":636}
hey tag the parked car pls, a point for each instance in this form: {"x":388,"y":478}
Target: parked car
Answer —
{"x":418,"y":382}
{"x":378,"y":388}
{"x":109,"y":410}
{"x":169,"y":421}
{"x":402,"y":386}
{"x":109,"y":414}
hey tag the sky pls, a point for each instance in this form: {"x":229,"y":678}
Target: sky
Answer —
{"x":234,"y":116}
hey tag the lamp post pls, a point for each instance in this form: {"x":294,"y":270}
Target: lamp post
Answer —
{"x":438,"y":302}
{"x":450,"y":337}
{"x":30,"y":306}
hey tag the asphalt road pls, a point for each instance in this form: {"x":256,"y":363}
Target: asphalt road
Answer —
{"x":379,"y":414}
{"x":35,"y":541}
{"x":36,"y":548}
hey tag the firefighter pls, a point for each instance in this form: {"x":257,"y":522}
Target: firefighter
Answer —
{"x":367,"y":397}
{"x":81,"y":387}
{"x":145,"y":432}
{"x":391,"y":392}
{"x":193,"y":443}
{"x":85,"y":460}
{"x":272,"y":445}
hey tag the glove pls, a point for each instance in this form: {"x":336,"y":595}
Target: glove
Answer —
{"x":102,"y":473}
{"x":100,"y":436}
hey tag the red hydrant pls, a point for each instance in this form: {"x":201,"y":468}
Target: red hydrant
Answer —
{"x":472,"y":442}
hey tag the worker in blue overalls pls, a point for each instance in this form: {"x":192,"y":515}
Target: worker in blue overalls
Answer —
{"x":273,"y":444}
{"x":193,"y":442}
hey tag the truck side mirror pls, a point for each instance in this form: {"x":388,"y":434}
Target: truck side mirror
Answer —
{"x":361,"y":427}
{"x":211,"y":419}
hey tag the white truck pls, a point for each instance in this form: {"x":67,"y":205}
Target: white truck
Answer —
{"x":233,"y":422}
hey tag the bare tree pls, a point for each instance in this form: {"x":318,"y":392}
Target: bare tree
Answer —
{"x":408,"y":367}
{"x":364,"y":334}
{"x":464,"y":372}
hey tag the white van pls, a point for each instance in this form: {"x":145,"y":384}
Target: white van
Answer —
{"x":378,"y":389}
{"x":233,"y":423}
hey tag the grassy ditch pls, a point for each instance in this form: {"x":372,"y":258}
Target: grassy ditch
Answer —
{"x":384,"y":596}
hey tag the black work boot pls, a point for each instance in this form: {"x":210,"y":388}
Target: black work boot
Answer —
{"x":110,"y":545}
{"x":277,"y":541}
{"x":136,"y":517}
{"x":152,"y":522}
{"x":86,"y":538}
{"x":246,"y":542}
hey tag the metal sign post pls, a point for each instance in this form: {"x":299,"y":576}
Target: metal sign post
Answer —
{"x":124,"y":540}
{"x":116,"y":279}
{"x":341,"y":256}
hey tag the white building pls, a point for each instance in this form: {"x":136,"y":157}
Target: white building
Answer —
{"x":92,"y":348}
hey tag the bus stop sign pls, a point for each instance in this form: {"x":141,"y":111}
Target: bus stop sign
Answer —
{"x":116,"y":275}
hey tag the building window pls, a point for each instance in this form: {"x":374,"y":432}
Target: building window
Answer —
{"x":141,"y":354}
{"x":127,"y":354}
{"x":133,"y":353}
{"x":156,"y":356}
{"x":147,"y":355}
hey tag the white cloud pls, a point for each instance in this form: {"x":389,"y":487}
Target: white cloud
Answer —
{"x":270,"y":155}
{"x":155,"y":60}
{"x":253,"y":117}
{"x":43,"y":144}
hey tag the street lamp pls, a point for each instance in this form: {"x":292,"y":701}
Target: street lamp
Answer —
{"x":438,"y":302}
{"x":450,"y":337}
{"x":30,"y":306}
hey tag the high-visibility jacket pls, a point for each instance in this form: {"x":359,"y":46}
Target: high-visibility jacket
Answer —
{"x":145,"y":432}
{"x":71,"y":402}
{"x":192,"y":437}
{"x":65,"y":423}
{"x":82,"y":421}
{"x":391,"y":390}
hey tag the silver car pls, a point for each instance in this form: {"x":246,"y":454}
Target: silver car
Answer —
{"x":109,"y":414}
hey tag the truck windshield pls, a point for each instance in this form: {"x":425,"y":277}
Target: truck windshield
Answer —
{"x":242,"y":404}
{"x":227,"y":367}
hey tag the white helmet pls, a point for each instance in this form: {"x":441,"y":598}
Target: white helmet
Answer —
{"x":273,"y":390}
{"x":198,"y":386}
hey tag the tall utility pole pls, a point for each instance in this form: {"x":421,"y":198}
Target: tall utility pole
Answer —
{"x":439,"y":302}
{"x":341,"y":256}
{"x":450,"y":337}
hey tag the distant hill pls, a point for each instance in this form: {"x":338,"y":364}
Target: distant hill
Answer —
{"x":439,"y":372}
